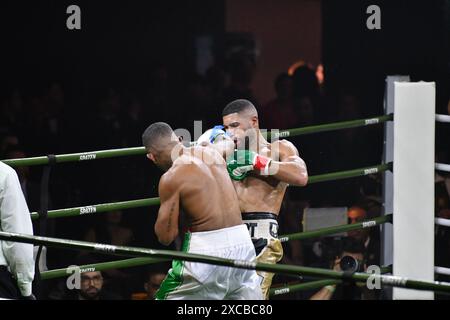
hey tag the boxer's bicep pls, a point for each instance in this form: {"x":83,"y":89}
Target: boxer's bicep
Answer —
{"x":291,"y":154}
{"x":290,"y":168}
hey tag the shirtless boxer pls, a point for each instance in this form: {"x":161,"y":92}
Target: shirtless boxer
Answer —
{"x":260,"y":172}
{"x":197,"y":181}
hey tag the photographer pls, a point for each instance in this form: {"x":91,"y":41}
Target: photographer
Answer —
{"x":351,"y":258}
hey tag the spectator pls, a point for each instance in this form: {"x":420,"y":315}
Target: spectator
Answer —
{"x":133,"y":121}
{"x":108,"y":122}
{"x":45,"y":121}
{"x":110,"y":230}
{"x":217,"y":81}
{"x":357,"y":214}
{"x":305,"y":110}
{"x":91,"y":288}
{"x":153,"y":282}
{"x":158,"y":91}
{"x":306,"y":92}
{"x":279,"y":113}
{"x":354,"y":250}
{"x":241,"y":68}
{"x":369,"y":237}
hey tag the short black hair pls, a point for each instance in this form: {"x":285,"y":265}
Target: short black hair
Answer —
{"x":155,"y":269}
{"x":154,"y":133}
{"x":237,"y":106}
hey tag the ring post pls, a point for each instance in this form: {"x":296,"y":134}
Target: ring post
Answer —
{"x":414,"y":135}
{"x":388,"y":184}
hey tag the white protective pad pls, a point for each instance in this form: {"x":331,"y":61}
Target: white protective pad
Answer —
{"x":414,"y":123}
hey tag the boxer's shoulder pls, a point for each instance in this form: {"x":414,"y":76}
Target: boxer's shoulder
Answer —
{"x":283,"y":147}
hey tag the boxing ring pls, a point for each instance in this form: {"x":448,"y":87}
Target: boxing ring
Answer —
{"x":145,"y":256}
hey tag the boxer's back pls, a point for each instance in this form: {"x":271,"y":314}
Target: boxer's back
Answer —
{"x":207,"y":195}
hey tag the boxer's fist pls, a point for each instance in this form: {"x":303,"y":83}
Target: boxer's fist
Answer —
{"x":211,"y":135}
{"x":244,"y":161}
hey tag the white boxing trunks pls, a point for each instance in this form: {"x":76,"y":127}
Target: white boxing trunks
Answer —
{"x":263,"y":229}
{"x":199,"y":281}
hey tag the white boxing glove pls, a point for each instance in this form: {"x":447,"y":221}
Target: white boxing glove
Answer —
{"x":211,"y":135}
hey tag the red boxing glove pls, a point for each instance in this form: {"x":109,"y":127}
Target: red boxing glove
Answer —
{"x":261,"y":163}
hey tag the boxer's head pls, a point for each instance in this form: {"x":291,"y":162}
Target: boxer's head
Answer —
{"x":240,"y":119}
{"x":159,"y":141}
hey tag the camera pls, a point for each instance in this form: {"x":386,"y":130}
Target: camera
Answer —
{"x":348,"y":263}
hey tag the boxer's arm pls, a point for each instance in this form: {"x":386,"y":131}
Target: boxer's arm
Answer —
{"x":291,"y":168}
{"x":166,"y":226}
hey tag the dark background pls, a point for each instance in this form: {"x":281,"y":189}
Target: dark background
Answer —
{"x":120,"y":43}
{"x":117,"y":45}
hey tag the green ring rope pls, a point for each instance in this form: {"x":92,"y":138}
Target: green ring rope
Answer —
{"x":167,"y":254}
{"x":114,"y":153}
{"x":98,"y":208}
{"x":336,"y":229}
{"x":56,"y":273}
{"x":105,"y":207}
{"x":120,"y":264}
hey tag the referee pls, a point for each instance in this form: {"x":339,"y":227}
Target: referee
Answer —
{"x":16,"y":259}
